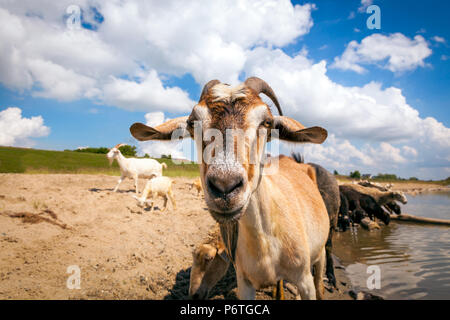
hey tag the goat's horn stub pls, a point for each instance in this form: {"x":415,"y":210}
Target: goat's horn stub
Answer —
{"x":120,"y":145}
{"x":206,"y":88}
{"x":260,"y":86}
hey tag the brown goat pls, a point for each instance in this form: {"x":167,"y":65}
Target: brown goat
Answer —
{"x":197,"y":184}
{"x":210,"y":263}
{"x":281,"y":217}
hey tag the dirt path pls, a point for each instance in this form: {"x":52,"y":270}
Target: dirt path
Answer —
{"x":50,"y":222}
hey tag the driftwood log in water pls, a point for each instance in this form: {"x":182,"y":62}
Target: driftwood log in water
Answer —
{"x":410,"y":218}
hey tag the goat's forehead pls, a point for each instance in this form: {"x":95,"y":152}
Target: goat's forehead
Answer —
{"x":247,"y":113}
{"x":228,"y":94}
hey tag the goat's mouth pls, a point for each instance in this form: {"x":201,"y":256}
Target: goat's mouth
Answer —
{"x":223,"y":217}
{"x":226,"y":207}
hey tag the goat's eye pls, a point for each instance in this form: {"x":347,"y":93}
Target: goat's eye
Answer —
{"x":267,"y":123}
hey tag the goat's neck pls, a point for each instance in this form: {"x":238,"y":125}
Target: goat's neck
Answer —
{"x":122,"y":161}
{"x":257,"y":219}
{"x":386,"y":197}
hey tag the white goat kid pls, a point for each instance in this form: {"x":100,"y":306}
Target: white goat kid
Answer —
{"x":160,"y":186}
{"x":134,"y":168}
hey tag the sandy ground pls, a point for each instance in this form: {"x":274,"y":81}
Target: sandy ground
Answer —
{"x":414,"y":188}
{"x":410,"y":187}
{"x":51,"y":222}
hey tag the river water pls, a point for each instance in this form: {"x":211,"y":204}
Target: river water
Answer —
{"x":412,"y":260}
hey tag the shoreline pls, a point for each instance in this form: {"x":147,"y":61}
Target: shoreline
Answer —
{"x":408,"y":187}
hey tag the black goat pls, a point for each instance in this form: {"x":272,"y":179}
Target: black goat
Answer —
{"x":343,"y":217}
{"x":392,"y":206}
{"x":362,"y":205}
{"x":329,"y":189}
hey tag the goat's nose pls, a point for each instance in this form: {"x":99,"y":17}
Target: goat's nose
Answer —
{"x":221,"y":186}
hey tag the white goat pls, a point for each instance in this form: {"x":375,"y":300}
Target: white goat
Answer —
{"x":160,"y":186}
{"x":134,"y":168}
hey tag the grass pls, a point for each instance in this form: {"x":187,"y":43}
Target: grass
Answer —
{"x":33,"y":161}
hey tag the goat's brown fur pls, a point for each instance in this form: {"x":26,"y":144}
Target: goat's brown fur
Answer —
{"x":282,"y":219}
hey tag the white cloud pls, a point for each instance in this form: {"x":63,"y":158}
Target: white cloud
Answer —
{"x":16,"y":130}
{"x":364,"y":5}
{"x":206,"y":39}
{"x":395,"y":52}
{"x":57,"y":82}
{"x":439,"y":39}
{"x":340,"y":154}
{"x":386,"y":153}
{"x":409,"y":151}
{"x":337,"y":153}
{"x":156,"y":149}
{"x":146,"y":94}
{"x":306,"y":92}
{"x":421,"y":31}
{"x":379,"y":117}
{"x":154,"y":119}
{"x":140,"y":43}
{"x":14,"y":75}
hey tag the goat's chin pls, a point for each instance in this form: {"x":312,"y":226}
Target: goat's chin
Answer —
{"x":227,"y":215}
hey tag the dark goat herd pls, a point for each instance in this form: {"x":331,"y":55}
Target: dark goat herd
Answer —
{"x":350,"y":203}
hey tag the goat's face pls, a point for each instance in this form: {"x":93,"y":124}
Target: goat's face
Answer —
{"x":234,"y":123}
{"x":400,"y":196}
{"x":231,"y":126}
{"x":208,"y":267}
{"x":113,"y":153}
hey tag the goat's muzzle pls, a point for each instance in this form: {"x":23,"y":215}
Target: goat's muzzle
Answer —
{"x":225,"y":194}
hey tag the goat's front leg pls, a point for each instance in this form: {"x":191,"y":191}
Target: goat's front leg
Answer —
{"x":319,"y":267}
{"x":245,"y":290}
{"x":278,"y":291}
{"x":152,"y":205}
{"x":329,"y":260}
{"x":305,"y":285}
{"x":118,"y":183}
{"x":136,"y":183}
{"x":166,"y":200}
{"x":172,"y":199}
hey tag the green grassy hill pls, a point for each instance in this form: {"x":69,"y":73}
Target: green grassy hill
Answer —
{"x":23,"y":160}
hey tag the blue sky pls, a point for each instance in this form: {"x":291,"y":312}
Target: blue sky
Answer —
{"x":384,"y":98}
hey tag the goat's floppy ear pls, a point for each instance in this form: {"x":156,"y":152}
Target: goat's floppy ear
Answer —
{"x":162,"y":132}
{"x":293,"y":131}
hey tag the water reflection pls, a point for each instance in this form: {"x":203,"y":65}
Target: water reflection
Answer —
{"x":414,"y":259}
